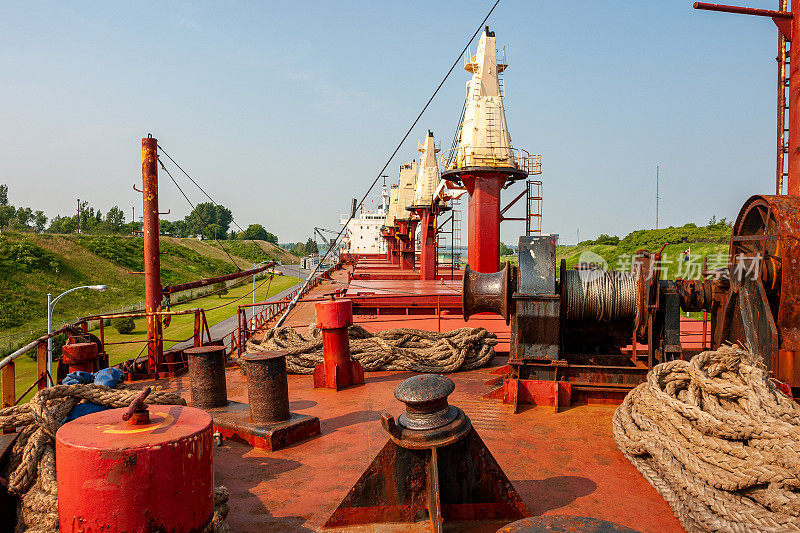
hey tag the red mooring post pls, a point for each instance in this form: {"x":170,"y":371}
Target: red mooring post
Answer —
{"x":338,"y":371}
{"x":484,"y":218}
{"x":152,"y":253}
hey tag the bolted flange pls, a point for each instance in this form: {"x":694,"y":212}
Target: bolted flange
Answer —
{"x":429,"y":421}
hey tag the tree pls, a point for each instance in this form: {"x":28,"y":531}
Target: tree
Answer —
{"x":6,"y":215}
{"x":124,"y":325}
{"x":299,"y":249}
{"x":4,"y":194}
{"x":115,"y":219}
{"x":256,"y":232}
{"x":212,"y":215}
{"x":39,"y":221}
{"x":311,"y":247}
{"x":221,"y":289}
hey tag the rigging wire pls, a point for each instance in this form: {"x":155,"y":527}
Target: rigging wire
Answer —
{"x":194,"y":209}
{"x":210,"y":198}
{"x":391,"y":157}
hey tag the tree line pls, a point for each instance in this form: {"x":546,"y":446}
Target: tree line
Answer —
{"x":207,"y":221}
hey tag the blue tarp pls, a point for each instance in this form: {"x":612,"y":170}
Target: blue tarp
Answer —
{"x":109,"y":377}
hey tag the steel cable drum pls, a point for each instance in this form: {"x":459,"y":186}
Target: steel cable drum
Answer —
{"x":600,"y":295}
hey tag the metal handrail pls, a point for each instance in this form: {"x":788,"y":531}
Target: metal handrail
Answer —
{"x":490,"y":156}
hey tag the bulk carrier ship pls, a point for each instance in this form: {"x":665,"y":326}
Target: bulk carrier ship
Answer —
{"x":392,"y":392}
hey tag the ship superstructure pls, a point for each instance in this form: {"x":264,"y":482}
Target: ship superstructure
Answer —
{"x":363,"y":230}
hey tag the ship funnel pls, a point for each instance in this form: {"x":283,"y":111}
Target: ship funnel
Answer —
{"x":428,"y":177}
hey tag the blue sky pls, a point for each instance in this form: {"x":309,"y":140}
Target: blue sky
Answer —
{"x":284,"y":111}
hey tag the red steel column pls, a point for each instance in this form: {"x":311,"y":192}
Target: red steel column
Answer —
{"x":427,"y":267}
{"x":406,"y":230}
{"x":152,"y":254}
{"x":793,"y":186}
{"x":338,"y":371}
{"x":484,"y":220}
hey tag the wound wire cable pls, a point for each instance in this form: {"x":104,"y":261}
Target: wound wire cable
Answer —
{"x":388,"y":161}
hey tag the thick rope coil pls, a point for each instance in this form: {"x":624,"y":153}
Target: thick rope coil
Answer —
{"x":718,"y":440}
{"x":394,"y":349}
{"x":32,"y":469}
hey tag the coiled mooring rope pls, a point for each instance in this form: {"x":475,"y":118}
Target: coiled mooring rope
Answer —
{"x":393,"y":349}
{"x":31,"y":470}
{"x":718,"y":440}
{"x":600,"y":295}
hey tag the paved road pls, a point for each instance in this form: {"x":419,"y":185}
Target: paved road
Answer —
{"x":221,"y":330}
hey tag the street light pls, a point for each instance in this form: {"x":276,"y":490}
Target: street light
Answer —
{"x":254,"y":279}
{"x":51,"y":302}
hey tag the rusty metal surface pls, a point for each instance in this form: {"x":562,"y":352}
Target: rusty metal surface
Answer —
{"x":430,"y":474}
{"x":104,"y":464}
{"x":767,"y":229}
{"x":267,"y":389}
{"x":564,"y":524}
{"x":137,"y":410}
{"x":537,"y":265}
{"x":487,"y":292}
{"x":152,"y":253}
{"x":559,"y":464}
{"x":207,"y":376}
{"x":233,"y":422}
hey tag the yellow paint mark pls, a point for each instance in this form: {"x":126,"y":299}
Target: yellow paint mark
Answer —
{"x":128,"y":429}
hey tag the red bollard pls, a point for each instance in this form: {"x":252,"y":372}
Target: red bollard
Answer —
{"x":80,"y":356}
{"x":338,"y":371}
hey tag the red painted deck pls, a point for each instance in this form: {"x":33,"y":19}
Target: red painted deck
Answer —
{"x":561,"y":464}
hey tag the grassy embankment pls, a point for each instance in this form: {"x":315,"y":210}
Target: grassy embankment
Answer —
{"x":709,"y":242}
{"x":181,"y":327}
{"x":33,"y":265}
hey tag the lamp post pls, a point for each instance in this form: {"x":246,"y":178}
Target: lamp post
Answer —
{"x":254,"y":280}
{"x":51,"y":302}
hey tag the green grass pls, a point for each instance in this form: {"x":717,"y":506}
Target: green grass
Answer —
{"x":180,"y":328}
{"x":704,"y":242}
{"x":31,"y":265}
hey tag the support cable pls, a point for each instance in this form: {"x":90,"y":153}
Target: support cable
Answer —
{"x":194,"y":209}
{"x":161,"y":148}
{"x":388,"y":161}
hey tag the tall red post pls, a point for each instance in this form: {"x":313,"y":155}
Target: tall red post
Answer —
{"x":788,"y":24}
{"x":484,"y":218}
{"x":391,"y":245}
{"x":338,"y":370}
{"x":152,"y":253}
{"x":406,"y":232}
{"x":427,"y":255}
{"x":793,"y":181}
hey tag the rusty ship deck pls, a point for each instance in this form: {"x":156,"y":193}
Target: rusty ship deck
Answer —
{"x":564,"y":463}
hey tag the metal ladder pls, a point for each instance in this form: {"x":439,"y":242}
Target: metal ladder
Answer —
{"x":533,"y":207}
{"x":782,"y":173}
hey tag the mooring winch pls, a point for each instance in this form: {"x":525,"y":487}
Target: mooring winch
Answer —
{"x":568,"y":334}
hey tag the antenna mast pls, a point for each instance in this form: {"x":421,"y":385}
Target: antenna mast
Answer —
{"x":657,"y":196}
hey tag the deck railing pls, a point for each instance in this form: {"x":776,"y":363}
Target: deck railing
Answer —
{"x":268,"y":312}
{"x":490,"y":156}
{"x":82,"y":327}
